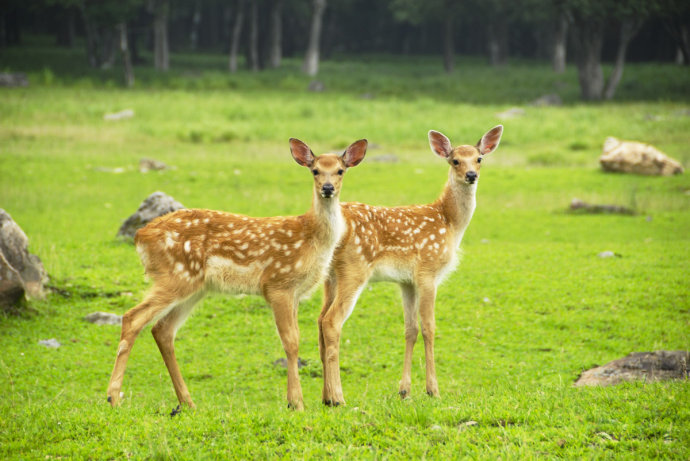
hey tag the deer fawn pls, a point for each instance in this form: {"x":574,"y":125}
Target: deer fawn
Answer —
{"x":189,"y":252}
{"x":414,"y":246}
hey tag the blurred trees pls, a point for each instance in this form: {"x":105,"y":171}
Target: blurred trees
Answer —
{"x":259,"y":33}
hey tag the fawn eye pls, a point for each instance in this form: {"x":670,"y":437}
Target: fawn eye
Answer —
{"x":340,"y":172}
{"x":479,"y":160}
{"x":316,"y":172}
{"x":455,"y":162}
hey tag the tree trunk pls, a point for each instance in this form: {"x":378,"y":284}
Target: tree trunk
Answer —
{"x":498,"y":42}
{"x":66,"y":31}
{"x":448,"y":48}
{"x":161,"y":53}
{"x":560,"y":41}
{"x":254,"y":37}
{"x":194,"y":30}
{"x":588,"y":38}
{"x":311,"y":57}
{"x":92,"y":38}
{"x":109,"y":48}
{"x":126,"y":58}
{"x":276,"y":44}
{"x":236,"y":36}
{"x":629,"y":28}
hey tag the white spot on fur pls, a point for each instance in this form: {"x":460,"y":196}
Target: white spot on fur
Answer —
{"x":187,"y":246}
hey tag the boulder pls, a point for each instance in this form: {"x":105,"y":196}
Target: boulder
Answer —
{"x":645,"y":366}
{"x":104,"y":318}
{"x":155,"y":205}
{"x":636,"y":157}
{"x":148,"y":164}
{"x":551,"y":99}
{"x":13,"y":79}
{"x":21,"y":273}
{"x":121,"y":115}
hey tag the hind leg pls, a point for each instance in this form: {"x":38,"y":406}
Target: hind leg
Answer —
{"x":164,"y":332}
{"x":133,"y":321}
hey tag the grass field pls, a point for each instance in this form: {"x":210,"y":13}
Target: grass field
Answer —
{"x":530,"y":306}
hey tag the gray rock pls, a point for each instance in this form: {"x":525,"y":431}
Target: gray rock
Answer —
{"x":513,"y":112}
{"x":21,"y":273}
{"x":148,"y":164}
{"x":316,"y":86}
{"x":51,"y":343}
{"x":547,"y":100}
{"x":644,"y":366}
{"x":638,"y":158}
{"x":155,"y":205}
{"x":13,"y":79}
{"x":104,"y":318}
{"x":122,"y":115}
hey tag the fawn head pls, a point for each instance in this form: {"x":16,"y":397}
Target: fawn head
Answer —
{"x":465,"y":160}
{"x":328,"y":169}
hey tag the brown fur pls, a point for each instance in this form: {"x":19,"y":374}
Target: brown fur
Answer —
{"x":189,"y":252}
{"x":414,"y":246}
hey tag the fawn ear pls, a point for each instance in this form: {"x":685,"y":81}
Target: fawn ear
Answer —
{"x":355,"y":153}
{"x":301,"y":152}
{"x":490,"y":140}
{"x":440,"y":145}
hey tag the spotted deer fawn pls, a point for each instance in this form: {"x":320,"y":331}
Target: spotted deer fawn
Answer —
{"x":190,"y":252}
{"x":414,"y":246}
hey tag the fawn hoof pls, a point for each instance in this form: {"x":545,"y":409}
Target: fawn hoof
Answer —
{"x":332,"y":403}
{"x":434,"y":394}
{"x":175,"y":411}
{"x":298,"y":406}
{"x":403,"y":393}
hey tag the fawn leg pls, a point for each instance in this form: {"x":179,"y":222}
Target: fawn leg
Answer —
{"x":164,"y":332}
{"x":427,"y":299}
{"x":328,"y":297}
{"x":346,"y":294}
{"x":155,"y":303}
{"x":284,"y":307}
{"x":411,"y":309}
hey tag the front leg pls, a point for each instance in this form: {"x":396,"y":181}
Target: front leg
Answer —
{"x":411,"y":310}
{"x":284,"y":305}
{"x":427,"y":299}
{"x":328,"y":297}
{"x":347,"y":291}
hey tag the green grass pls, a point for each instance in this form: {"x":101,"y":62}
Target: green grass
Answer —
{"x":530,"y":306}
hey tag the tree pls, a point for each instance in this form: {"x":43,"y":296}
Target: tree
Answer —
{"x":443,"y":12}
{"x":310,"y":65}
{"x":676,"y":17}
{"x":590,"y":19}
{"x":236,"y":35}
{"x":161,"y":48}
{"x":275,"y":52}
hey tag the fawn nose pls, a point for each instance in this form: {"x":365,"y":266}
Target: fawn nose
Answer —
{"x":471,"y":176}
{"x":327,"y":190}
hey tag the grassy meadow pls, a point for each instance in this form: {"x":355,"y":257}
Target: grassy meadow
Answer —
{"x":530,"y":306}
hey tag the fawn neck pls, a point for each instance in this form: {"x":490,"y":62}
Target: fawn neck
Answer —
{"x":458,"y":201}
{"x":328,"y":219}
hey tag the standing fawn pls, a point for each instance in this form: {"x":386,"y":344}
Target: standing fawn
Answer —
{"x":414,"y":246}
{"x":190,"y":252}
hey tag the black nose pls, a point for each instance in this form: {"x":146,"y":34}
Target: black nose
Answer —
{"x":471,"y":176}
{"x":328,"y":189}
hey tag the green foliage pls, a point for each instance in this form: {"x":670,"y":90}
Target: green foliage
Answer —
{"x":530,"y":306}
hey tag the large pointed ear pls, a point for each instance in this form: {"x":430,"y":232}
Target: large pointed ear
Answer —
{"x":355,"y":153}
{"x":440,"y":145}
{"x":490,"y":140}
{"x":301,"y":153}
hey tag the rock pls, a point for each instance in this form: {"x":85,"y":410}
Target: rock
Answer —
{"x":148,"y":164}
{"x":21,"y":273}
{"x":155,"y":205}
{"x":547,"y":100}
{"x":282,"y":362}
{"x":647,"y":366}
{"x":513,"y":112}
{"x":50,"y":343}
{"x":122,"y":115}
{"x":104,"y":318}
{"x":385,"y":158}
{"x":579,"y":206}
{"x":636,"y":157}
{"x":13,"y":79}
{"x":316,"y":86}
{"x":608,"y":254}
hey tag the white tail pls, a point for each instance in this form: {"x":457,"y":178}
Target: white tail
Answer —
{"x":414,"y":246}
{"x":189,"y":252}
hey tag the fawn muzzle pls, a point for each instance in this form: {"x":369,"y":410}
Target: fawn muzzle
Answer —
{"x":471,"y":176}
{"x":327,"y":190}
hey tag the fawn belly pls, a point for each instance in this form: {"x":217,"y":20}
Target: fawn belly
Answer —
{"x":224,"y":274}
